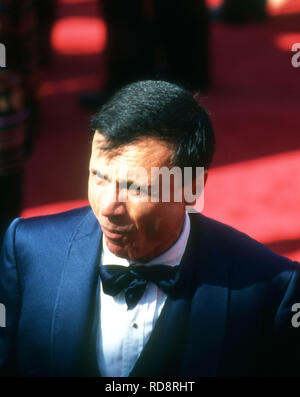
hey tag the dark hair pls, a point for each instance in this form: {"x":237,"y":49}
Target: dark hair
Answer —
{"x":158,"y":109}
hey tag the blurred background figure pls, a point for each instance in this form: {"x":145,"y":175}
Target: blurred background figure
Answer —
{"x":238,"y":11}
{"x":24,"y":30}
{"x":46,"y":13}
{"x":18,"y":88}
{"x":155,"y":39}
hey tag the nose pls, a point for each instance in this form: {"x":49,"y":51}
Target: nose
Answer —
{"x":110,"y":205}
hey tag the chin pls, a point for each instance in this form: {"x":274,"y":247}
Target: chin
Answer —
{"x":121,"y":250}
{"x":117,"y":250}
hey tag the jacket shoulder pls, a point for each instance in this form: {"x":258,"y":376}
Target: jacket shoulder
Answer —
{"x":60,"y":225}
{"x":40,"y":243}
{"x":66,"y":218}
{"x":47,"y":234}
{"x":246,"y":259}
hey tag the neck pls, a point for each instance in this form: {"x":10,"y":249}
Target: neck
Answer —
{"x":162,"y":249}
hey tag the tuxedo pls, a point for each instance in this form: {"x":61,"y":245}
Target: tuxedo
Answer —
{"x":231,"y":315}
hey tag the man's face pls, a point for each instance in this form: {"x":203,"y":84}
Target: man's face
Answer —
{"x":133,"y":225}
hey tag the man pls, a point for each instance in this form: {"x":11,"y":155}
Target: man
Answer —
{"x":135,"y":286}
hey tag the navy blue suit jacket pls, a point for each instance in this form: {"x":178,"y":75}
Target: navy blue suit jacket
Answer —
{"x":231,"y":316}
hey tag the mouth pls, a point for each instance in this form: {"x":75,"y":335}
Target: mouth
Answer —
{"x":114,"y":234}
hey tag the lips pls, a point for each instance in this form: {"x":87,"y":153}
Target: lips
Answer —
{"x":114,"y":234}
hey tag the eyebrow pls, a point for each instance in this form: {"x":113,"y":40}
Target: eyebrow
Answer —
{"x":128,"y":182}
{"x":99,"y":173}
{"x":99,"y":144}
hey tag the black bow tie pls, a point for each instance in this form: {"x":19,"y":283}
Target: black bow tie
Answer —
{"x":134,"y":278}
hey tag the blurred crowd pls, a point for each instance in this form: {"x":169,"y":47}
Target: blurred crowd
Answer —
{"x":24,"y":30}
{"x":146,"y":38}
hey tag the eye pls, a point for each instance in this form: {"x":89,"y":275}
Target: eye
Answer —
{"x":98,"y":176}
{"x":133,"y":189}
{"x":137,"y":190}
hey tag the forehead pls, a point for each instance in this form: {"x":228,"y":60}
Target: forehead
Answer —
{"x":147,"y":152}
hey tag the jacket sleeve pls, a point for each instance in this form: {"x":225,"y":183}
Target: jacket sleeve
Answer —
{"x":10,"y":298}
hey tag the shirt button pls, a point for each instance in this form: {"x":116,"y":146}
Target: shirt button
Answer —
{"x":134,"y":325}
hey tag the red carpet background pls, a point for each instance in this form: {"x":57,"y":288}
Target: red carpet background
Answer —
{"x":254,"y":184}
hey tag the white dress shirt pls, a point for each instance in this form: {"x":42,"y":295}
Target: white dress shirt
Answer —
{"x":124,"y":333}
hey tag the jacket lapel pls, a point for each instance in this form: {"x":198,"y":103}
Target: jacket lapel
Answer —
{"x":188,"y":337}
{"x":206,"y":332}
{"x":163,"y":353}
{"x":75,"y":305}
{"x":208,"y":314}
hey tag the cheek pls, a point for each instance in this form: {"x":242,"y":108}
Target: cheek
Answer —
{"x":163,"y":221}
{"x":93,"y":196}
{"x":148,"y":219}
{"x":91,"y":193}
